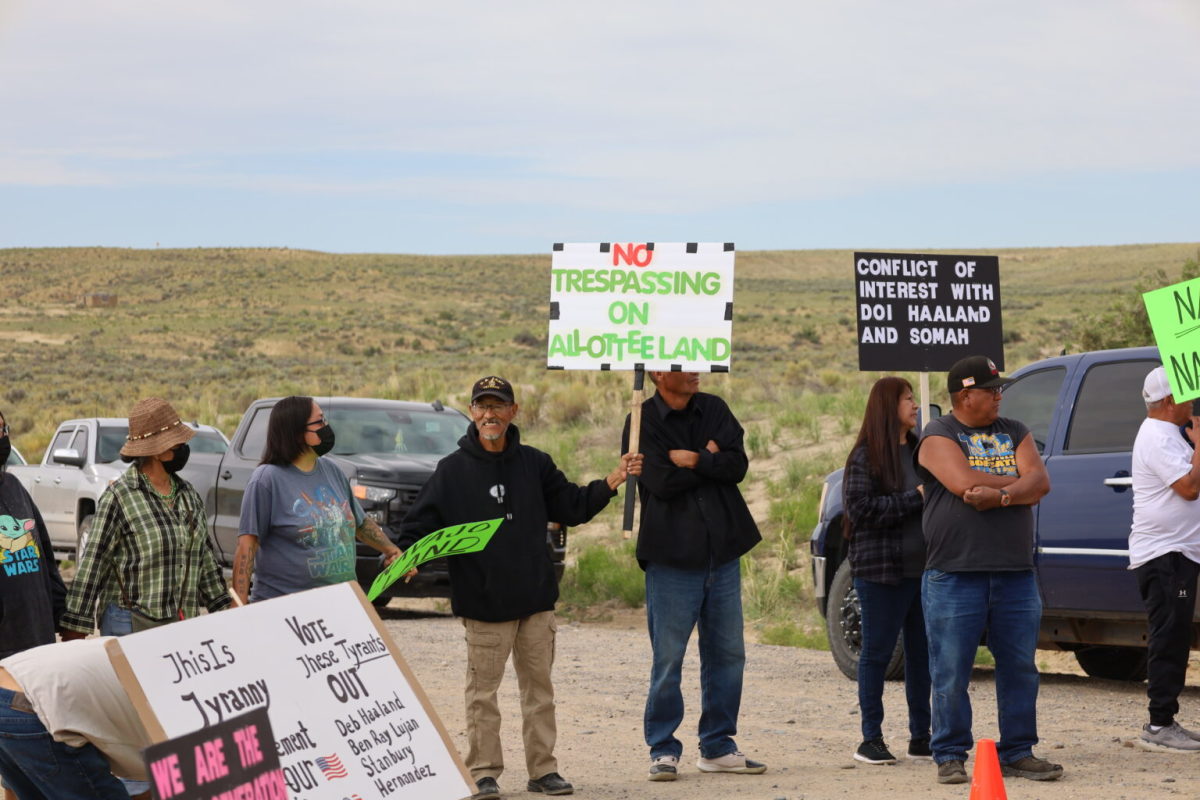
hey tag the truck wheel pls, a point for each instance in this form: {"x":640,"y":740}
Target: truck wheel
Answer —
{"x":1114,"y":663}
{"x":85,"y":529}
{"x":843,"y":624}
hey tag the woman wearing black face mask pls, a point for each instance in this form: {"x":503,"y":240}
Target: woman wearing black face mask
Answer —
{"x":32,"y":595}
{"x":299,"y":517}
{"x":147,"y":560}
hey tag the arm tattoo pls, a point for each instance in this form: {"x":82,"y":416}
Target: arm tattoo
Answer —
{"x":369,"y":533}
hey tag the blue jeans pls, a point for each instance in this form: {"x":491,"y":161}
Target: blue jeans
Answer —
{"x":36,"y":767}
{"x":116,"y":621}
{"x":676,"y":601}
{"x":886,"y":611}
{"x":959,"y":607}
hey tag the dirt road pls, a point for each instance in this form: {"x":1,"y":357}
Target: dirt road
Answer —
{"x":799,"y":715}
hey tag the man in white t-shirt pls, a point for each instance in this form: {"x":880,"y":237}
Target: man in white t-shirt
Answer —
{"x":67,"y":726}
{"x":1164,"y":553}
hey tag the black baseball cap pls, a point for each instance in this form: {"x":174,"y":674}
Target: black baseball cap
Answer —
{"x":492,"y":385}
{"x":974,"y":372}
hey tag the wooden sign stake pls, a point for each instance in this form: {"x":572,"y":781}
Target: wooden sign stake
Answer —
{"x":635,"y":446}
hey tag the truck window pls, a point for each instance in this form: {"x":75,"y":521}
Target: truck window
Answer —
{"x":80,"y":443}
{"x":1031,"y":399}
{"x":112,"y":439}
{"x":1109,"y":408}
{"x":207,"y":442}
{"x":255,"y":440}
{"x":386,"y":430}
{"x":61,"y":439}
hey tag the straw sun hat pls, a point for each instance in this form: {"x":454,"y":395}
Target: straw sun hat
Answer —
{"x":154,"y":428}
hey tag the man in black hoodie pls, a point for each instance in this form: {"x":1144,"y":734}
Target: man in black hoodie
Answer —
{"x":506,"y":593}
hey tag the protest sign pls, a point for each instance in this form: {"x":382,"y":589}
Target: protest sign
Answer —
{"x":470,"y":537}
{"x":922,"y":313}
{"x":653,"y":306}
{"x":347,"y":714}
{"x":231,"y":760}
{"x":1174,"y":313}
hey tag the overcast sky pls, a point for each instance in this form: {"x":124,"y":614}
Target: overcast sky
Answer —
{"x":471,"y":127}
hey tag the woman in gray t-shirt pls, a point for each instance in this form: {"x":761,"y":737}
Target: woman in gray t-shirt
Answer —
{"x":299,"y":519}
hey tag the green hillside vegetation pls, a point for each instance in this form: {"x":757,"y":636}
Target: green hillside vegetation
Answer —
{"x":213,"y":329}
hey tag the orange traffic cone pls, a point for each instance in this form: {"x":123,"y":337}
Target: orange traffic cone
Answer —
{"x":986,"y":782}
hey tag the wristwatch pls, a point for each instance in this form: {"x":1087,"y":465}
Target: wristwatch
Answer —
{"x":1005,"y":497}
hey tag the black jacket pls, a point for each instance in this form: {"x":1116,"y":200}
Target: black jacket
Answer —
{"x":513,"y":576}
{"x":32,"y":595}
{"x":692,"y":518}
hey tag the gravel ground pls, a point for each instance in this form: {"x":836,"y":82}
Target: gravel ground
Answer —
{"x":799,"y":715}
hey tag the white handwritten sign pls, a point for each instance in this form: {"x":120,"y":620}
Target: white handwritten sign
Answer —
{"x":349,"y":717}
{"x":620,"y":306}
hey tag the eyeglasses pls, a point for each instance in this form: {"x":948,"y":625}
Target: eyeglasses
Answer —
{"x":995,"y":390}
{"x":491,"y":408}
{"x":320,"y":423}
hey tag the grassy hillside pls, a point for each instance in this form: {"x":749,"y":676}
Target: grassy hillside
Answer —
{"x":211,"y":330}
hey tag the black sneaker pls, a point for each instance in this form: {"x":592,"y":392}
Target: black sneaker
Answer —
{"x":552,"y":783}
{"x":488,"y":789}
{"x":918,"y":750}
{"x":952,"y":772}
{"x":874,"y":751}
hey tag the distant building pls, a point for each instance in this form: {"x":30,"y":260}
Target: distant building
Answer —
{"x":97,"y":300}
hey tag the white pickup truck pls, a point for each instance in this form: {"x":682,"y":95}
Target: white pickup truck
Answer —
{"x":83,"y":459}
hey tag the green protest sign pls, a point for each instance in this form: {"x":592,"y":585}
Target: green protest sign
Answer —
{"x":1174,"y":313}
{"x":455,"y":540}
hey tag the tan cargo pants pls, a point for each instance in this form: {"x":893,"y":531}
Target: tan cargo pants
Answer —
{"x":531,"y":642}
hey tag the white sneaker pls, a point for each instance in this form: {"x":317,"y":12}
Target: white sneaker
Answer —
{"x":664,"y":768}
{"x":731,"y":762}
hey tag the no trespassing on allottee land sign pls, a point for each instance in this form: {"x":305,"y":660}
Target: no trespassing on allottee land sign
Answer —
{"x":620,"y":306}
{"x":921,"y":313}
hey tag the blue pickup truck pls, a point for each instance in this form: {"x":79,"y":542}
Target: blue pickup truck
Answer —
{"x":1084,"y":411}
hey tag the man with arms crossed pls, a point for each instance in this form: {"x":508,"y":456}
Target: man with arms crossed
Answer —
{"x":1164,"y":553}
{"x":982,"y":475}
{"x":694,"y":529}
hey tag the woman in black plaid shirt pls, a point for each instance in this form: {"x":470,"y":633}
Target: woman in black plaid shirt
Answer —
{"x":883,"y":502}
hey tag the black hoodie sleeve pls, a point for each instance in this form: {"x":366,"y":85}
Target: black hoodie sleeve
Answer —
{"x":425,"y":516}
{"x":568,"y":503}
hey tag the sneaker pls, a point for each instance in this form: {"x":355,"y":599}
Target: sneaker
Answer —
{"x":1171,"y":738}
{"x":874,"y":751}
{"x":731,"y":762}
{"x":488,"y":789}
{"x":1034,"y":768}
{"x":664,"y":768}
{"x":918,"y":750}
{"x":952,"y":772}
{"x":551,"y":783}
{"x":1189,"y":733}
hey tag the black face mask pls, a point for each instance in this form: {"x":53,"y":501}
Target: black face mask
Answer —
{"x":178,"y":460}
{"x":5,"y":450}
{"x":325,"y":434}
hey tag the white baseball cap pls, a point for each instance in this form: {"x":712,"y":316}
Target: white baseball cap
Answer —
{"x":1156,"y":386}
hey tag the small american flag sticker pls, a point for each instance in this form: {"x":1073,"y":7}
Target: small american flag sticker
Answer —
{"x":331,"y":767}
